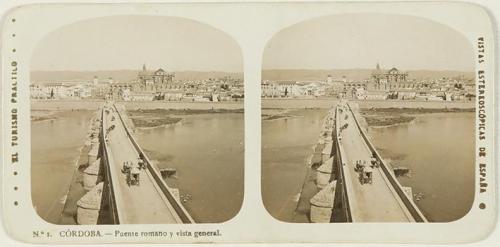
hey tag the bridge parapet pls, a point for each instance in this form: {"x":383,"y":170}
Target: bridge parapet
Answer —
{"x":407,"y":201}
{"x":184,"y":216}
{"x":341,"y":191}
{"x":110,"y":179}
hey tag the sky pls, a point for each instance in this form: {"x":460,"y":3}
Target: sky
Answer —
{"x":362,"y":40}
{"x":127,"y":42}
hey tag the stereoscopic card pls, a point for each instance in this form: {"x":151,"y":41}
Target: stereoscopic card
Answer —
{"x":244,"y":122}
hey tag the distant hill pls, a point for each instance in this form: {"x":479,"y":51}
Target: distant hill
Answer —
{"x":121,"y":75}
{"x":355,"y":74}
{"x":274,"y":75}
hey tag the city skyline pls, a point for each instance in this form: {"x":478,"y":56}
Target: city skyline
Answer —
{"x":361,"y":41}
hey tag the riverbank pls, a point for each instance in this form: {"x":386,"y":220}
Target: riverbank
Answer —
{"x":330,"y":102}
{"x":133,"y":105}
{"x":62,"y":105}
{"x":149,"y":118}
{"x":266,"y":104}
{"x":149,"y":122}
{"x":53,"y":114}
{"x":382,"y":117}
{"x":275,"y":114}
{"x":42,"y":115}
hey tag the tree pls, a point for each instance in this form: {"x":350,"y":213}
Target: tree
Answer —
{"x":52,"y":93}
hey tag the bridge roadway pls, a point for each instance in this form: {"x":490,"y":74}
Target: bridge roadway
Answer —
{"x":376,"y":202}
{"x":143,"y":204}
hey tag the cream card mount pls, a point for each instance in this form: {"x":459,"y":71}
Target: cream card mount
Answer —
{"x":248,"y":123}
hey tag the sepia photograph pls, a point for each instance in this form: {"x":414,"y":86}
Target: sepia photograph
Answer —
{"x":248,"y":123}
{"x":136,"y":120}
{"x":368,"y":118}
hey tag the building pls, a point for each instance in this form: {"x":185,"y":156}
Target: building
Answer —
{"x":100,"y":91}
{"x":387,"y":79}
{"x":116,"y":90}
{"x":60,"y":90}
{"x":288,"y":89}
{"x":269,"y":90}
{"x":361,"y":94}
{"x":147,"y":84}
{"x":154,"y":80}
{"x":81,"y":91}
{"x":139,"y":96}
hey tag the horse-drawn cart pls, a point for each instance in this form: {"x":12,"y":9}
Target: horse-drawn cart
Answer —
{"x":132,"y":173}
{"x":365,"y":172}
{"x":133,"y":177}
{"x":365,"y":176}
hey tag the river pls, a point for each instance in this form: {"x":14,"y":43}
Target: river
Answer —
{"x":438,"y":148}
{"x":206,"y":149}
{"x":208,"y":153}
{"x":56,"y":144}
{"x":286,"y":145}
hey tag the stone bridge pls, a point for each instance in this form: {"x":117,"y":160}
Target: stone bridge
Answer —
{"x":356,"y":184}
{"x":110,"y":198}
